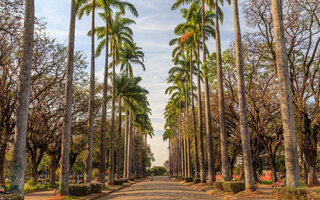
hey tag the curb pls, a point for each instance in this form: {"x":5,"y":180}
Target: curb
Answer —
{"x":110,"y":192}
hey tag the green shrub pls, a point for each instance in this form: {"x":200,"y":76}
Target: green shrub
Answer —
{"x":234,"y":187}
{"x":117,"y":182}
{"x":266,"y":182}
{"x":196,"y":180}
{"x":79,"y":189}
{"x":131,"y":179}
{"x":188,"y":179}
{"x":96,"y":187}
{"x":125,"y":180}
{"x":10,"y":197}
{"x":30,"y":186}
{"x":219,"y":185}
{"x":290,"y":193}
{"x":53,"y":186}
{"x":302,"y":184}
{"x":231,"y":186}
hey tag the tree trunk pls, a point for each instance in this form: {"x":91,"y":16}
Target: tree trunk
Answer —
{"x":125,"y":166}
{"x":182,"y":156}
{"x":129,"y":147}
{"x":18,"y":162}
{"x":272,"y":163}
{"x":53,"y":169}
{"x":189,"y":157}
{"x":119,"y":141}
{"x":185,"y":146}
{"x":223,"y":135}
{"x":179,"y":160}
{"x":2,"y":159}
{"x":88,"y":171}
{"x":34,"y":167}
{"x":102,"y":161}
{"x":187,"y":140}
{"x":244,"y":128}
{"x":287,"y":114}
{"x":201,"y":151}
{"x":113,"y":110}
{"x":211,"y":173}
{"x":66,"y":136}
{"x":312,"y":176}
{"x":133,"y":158}
{"x":194,"y":125}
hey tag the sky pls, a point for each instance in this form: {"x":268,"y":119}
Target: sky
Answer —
{"x":153,"y":31}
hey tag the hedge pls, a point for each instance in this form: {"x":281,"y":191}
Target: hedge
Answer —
{"x":188,"y":179}
{"x":231,"y":186}
{"x":284,"y":193}
{"x":234,"y":187}
{"x":117,"y":182}
{"x":96,"y":187}
{"x":196,"y":180}
{"x":219,"y":185}
{"x":10,"y":197}
{"x":125,"y":180}
{"x":79,"y":189}
{"x":32,"y":187}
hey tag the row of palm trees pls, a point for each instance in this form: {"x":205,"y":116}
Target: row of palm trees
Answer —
{"x":201,"y":24}
{"x":116,"y":36}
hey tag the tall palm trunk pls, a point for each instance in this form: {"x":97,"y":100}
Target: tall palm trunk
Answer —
{"x":185,"y":156}
{"x":207,"y":108}
{"x":66,"y":136}
{"x":287,"y":114}
{"x":244,"y":128}
{"x":133,"y":155}
{"x":201,"y":151}
{"x":119,"y":141}
{"x":223,"y":135}
{"x":102,"y":161}
{"x":188,"y":157}
{"x":194,"y":126}
{"x":18,"y":163}
{"x":182,"y":156}
{"x":113,"y":110}
{"x":125,"y":166}
{"x":88,"y":171}
{"x":178,"y":157}
{"x":129,"y":147}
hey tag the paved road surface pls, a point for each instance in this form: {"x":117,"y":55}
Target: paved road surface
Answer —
{"x":39,"y":195}
{"x":159,"y":188}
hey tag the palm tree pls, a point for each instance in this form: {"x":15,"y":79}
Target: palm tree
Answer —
{"x":287,"y":114}
{"x":119,"y":32}
{"x":129,"y":55}
{"x":193,"y":24}
{"x":223,"y":135}
{"x":174,"y":118}
{"x":66,"y":136}
{"x":179,"y":90}
{"x":87,"y":6}
{"x":244,"y":128}
{"x":211,"y":174}
{"x":134,"y":99}
{"x":106,"y":6}
{"x":18,"y":163}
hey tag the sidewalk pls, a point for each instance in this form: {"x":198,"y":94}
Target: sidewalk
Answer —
{"x":49,"y":194}
{"x":264,"y":193}
{"x":39,"y":195}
